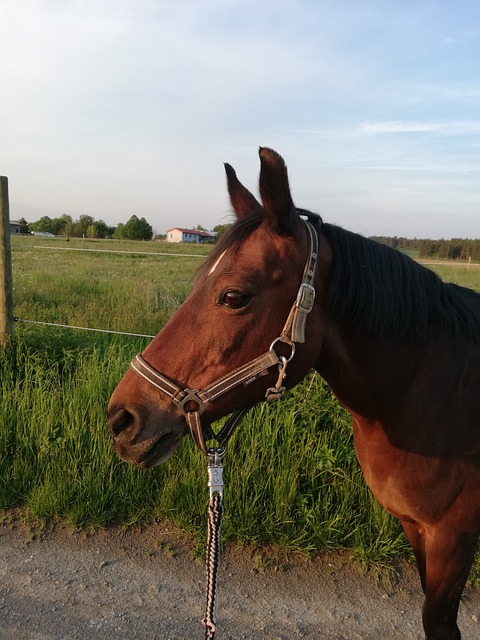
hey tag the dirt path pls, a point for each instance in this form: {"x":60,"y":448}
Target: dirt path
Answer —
{"x":145,"y":585}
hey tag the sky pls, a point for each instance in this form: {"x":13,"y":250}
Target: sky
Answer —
{"x":118,"y":107}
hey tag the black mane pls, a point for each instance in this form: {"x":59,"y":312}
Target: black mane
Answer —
{"x":387,"y":294}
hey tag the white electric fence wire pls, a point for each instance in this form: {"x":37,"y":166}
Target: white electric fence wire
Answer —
{"x":71,"y":326}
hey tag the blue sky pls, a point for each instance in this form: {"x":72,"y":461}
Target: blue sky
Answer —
{"x":121,"y":107}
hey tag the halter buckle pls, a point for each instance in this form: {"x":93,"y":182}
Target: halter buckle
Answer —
{"x":305,"y":297}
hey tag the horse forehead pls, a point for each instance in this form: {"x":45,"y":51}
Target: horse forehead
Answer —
{"x":245,"y":258}
{"x":265,"y":250}
{"x":261,"y":257}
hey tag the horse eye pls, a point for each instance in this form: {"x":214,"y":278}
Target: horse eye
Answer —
{"x":235,"y":299}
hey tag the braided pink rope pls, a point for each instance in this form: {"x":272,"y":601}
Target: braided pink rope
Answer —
{"x":215,"y":510}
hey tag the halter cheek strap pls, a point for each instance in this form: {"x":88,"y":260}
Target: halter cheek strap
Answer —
{"x":193,"y":402}
{"x":294,"y":329}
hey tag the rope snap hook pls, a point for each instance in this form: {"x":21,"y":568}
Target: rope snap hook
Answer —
{"x":215,"y":470}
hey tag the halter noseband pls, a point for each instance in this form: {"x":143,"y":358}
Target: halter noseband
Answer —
{"x":193,"y":402}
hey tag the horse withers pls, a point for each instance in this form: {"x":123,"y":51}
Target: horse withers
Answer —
{"x":398,"y":347}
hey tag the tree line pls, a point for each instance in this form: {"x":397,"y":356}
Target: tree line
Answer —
{"x":139,"y":229}
{"x":454,"y":249}
{"x":86,"y":226}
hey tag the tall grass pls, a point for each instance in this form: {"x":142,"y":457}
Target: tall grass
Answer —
{"x":292,"y":478}
{"x":291,"y":474}
{"x":117,"y":291}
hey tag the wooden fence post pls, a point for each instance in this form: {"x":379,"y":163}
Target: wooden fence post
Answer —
{"x":6,"y":284}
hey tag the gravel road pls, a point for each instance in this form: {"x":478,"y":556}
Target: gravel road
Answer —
{"x":144,"y":583}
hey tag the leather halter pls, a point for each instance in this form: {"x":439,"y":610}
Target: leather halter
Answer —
{"x":193,"y":402}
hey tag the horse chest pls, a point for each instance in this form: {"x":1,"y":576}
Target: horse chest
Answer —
{"x":409,"y":485}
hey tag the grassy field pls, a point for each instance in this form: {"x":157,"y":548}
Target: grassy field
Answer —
{"x":292,"y":479}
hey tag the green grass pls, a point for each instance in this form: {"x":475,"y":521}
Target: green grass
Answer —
{"x":292,"y":479}
{"x":117,"y":291}
{"x":459,"y":274}
{"x":291,"y":474}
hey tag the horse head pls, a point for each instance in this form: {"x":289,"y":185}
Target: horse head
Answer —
{"x":239,"y":306}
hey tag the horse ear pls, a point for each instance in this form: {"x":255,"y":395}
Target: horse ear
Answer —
{"x":275,"y":191}
{"x":242,"y":200}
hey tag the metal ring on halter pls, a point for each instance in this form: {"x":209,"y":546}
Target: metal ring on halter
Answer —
{"x":290,"y":344}
{"x":187,"y":396}
{"x":217,"y":453}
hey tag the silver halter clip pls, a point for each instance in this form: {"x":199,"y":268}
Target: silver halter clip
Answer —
{"x":215,"y":470}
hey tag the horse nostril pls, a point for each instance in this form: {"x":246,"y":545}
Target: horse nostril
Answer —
{"x":119,"y":420}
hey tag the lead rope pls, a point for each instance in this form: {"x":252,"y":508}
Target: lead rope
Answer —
{"x":215,"y":511}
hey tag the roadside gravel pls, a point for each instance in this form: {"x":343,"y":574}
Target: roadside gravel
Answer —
{"x":144,"y":583}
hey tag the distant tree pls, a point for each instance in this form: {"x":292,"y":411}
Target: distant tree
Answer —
{"x":220,"y":230}
{"x":59,"y":224}
{"x":137,"y":229}
{"x":24,"y":226}
{"x":99,"y":229}
{"x":455,"y":249}
{"x":64,"y":225}
{"x":119,"y":233}
{"x":44,"y":225}
{"x":82,"y":224}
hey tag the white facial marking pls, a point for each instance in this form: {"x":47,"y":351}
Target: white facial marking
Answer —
{"x":216,"y":263}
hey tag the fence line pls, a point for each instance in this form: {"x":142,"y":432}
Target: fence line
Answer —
{"x":143,"y":253}
{"x":71,"y":326}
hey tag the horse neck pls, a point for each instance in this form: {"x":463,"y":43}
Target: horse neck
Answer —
{"x":363,"y":371}
{"x":367,"y":374}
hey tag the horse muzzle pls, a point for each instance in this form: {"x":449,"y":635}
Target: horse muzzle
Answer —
{"x":144,"y":435}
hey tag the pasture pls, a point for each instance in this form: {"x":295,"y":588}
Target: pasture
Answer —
{"x":291,"y":475}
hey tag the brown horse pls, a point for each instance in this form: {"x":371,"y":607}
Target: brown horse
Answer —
{"x":399,"y":348}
